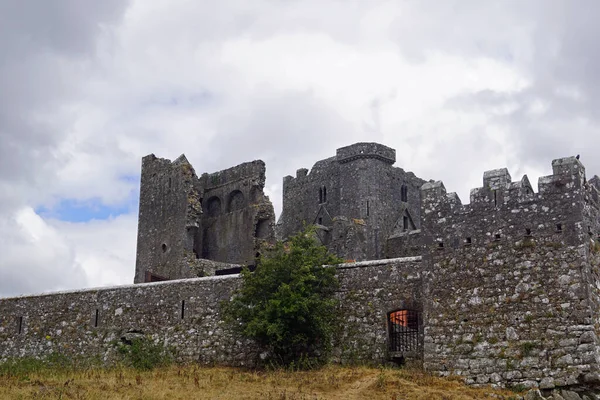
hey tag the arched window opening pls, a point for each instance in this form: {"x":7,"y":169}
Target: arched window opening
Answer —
{"x":403,"y":326}
{"x":236,"y":201}
{"x":213,"y":206}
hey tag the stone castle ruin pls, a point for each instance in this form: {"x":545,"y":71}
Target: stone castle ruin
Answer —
{"x":504,"y":290}
{"x":190,"y":226}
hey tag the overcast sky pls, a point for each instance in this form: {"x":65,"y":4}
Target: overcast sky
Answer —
{"x":88,"y":87}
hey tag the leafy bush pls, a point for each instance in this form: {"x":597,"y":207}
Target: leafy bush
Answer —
{"x":143,"y":354}
{"x":287,"y":305}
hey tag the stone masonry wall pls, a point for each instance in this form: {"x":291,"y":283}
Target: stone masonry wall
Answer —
{"x":357,"y":196}
{"x":185,"y":314}
{"x":223,"y":217}
{"x":237,"y":217}
{"x":165,"y":217}
{"x":506,"y":283}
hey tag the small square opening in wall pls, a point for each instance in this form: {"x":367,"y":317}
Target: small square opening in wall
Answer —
{"x":527,"y":232}
{"x":440,"y":245}
{"x":497,"y":237}
{"x":468,"y":241}
{"x":559,"y":228}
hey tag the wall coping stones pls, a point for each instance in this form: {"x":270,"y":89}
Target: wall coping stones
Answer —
{"x":172,"y":282}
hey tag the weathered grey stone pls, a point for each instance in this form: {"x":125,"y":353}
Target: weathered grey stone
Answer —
{"x":534,"y":394}
{"x":547,"y":383}
{"x":570,"y":395}
{"x":223,"y":217}
{"x":360,"y":199}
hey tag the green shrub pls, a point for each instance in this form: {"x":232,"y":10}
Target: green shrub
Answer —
{"x":287,"y":305}
{"x":143,"y":354}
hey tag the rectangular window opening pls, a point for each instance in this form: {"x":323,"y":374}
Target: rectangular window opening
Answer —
{"x":468,"y":241}
{"x":558,"y":228}
{"x":182,"y":309}
{"x":497,"y":237}
{"x":367,"y":208}
{"x":20,"y":325}
{"x":403,"y":328}
{"x":405,"y":223}
{"x":96,"y":315}
{"x":440,"y":245}
{"x":320,"y":221}
{"x":527,"y":232}
{"x":495,"y":199}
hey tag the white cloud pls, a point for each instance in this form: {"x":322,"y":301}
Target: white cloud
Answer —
{"x":456,"y":87}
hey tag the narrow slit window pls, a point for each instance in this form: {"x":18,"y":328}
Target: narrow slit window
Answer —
{"x":404,"y":193}
{"x":96,"y":318}
{"x":559,"y":228}
{"x":170,"y":181}
{"x":320,"y":221}
{"x":440,"y":245}
{"x":367,"y":208}
{"x":20,"y":325}
{"x":405,"y":223}
{"x":320,"y":195}
{"x":495,"y":198}
{"x":182,"y":309}
{"x":324,"y":194}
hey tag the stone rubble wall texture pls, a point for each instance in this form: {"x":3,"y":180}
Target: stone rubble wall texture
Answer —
{"x":363,"y":205}
{"x":186,"y":315}
{"x":511,"y":280}
{"x":223,"y":217}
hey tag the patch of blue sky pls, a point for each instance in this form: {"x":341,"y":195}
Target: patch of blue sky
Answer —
{"x":71,"y":210}
{"x":76,"y":210}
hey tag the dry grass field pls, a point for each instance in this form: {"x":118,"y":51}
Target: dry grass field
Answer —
{"x":193,"y":382}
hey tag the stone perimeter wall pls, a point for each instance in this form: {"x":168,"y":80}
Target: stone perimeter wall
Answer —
{"x":508,"y":281}
{"x":185,"y":314}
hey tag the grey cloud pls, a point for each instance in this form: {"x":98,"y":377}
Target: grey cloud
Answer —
{"x":553,"y":44}
{"x":288,"y":130}
{"x":43,"y":47}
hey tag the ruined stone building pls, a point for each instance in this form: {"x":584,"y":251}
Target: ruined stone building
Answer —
{"x":357,"y":198}
{"x":189,"y":225}
{"x":504,"y":290}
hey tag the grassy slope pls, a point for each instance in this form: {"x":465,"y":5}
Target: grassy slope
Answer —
{"x":193,"y":382}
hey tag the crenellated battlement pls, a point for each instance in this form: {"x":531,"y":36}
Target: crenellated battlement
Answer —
{"x":565,"y":204}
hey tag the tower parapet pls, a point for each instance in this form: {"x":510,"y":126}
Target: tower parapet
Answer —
{"x":366,"y":150}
